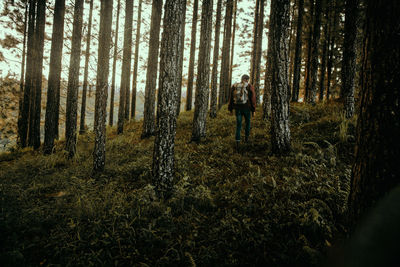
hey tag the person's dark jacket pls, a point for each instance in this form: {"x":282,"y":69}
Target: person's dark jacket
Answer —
{"x":251,"y":103}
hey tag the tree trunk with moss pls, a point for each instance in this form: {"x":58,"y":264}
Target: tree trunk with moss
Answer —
{"x":203,"y":73}
{"x":54,"y":76}
{"x":100,"y":115}
{"x":163,"y":157}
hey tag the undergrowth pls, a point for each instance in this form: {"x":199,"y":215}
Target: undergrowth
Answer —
{"x":247,"y":208}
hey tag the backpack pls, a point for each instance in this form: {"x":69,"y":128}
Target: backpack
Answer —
{"x":240,"y":93}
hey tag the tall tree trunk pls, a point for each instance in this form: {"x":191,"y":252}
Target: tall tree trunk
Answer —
{"x":331,"y":47}
{"x":376,"y":169}
{"x":189,"y":98}
{"x":126,"y":66}
{"x":280,"y":132}
{"x":314,"y":51}
{"x":21,"y":82}
{"x":324,"y":52}
{"x":54,"y":76}
{"x":151,"y":74}
{"x":260,"y":30}
{"x":82,"y":129}
{"x":268,"y":68}
{"x":23,"y":123}
{"x":349,"y":57}
{"x":39,"y":32}
{"x":136,"y":61}
{"x":307,"y":73}
{"x":114,"y":67}
{"x":178,"y":108}
{"x":214,"y":75}
{"x":203,"y":73}
{"x":163,"y":156}
{"x":233,"y":42}
{"x":99,"y":153}
{"x":297,"y":55}
{"x":73,"y":80}
{"x":224,"y":73}
{"x":291,"y":49}
{"x":254,"y":48}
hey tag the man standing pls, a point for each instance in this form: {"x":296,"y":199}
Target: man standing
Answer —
{"x":243,"y":101}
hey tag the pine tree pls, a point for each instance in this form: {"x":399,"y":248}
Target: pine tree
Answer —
{"x":73,"y":80}
{"x":163,"y":156}
{"x":324,"y":54}
{"x":136,"y":61}
{"x":233,"y":42}
{"x":307,"y":73}
{"x":192,"y":57}
{"x":224,"y":85}
{"x":214,"y":75}
{"x":376,"y":170}
{"x":126,"y":66}
{"x":280,"y":132}
{"x":151,"y":74}
{"x":86,"y":70}
{"x":349,"y":57}
{"x":297,"y":56}
{"x":331,"y":47}
{"x":258,"y":54}
{"x":99,"y":153}
{"x":114,"y":67}
{"x":178,"y":109}
{"x":203,"y":73}
{"x":54,"y":76}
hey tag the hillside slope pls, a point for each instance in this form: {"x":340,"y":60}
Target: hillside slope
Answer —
{"x":247,"y":208}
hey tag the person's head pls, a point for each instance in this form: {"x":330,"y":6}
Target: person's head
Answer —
{"x":245,"y":78}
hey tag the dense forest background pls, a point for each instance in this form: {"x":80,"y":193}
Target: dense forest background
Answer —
{"x":117,"y":146}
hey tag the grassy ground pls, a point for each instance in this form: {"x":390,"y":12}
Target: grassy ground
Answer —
{"x":247,"y":208}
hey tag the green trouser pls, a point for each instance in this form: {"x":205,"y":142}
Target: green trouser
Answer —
{"x":240,"y":113}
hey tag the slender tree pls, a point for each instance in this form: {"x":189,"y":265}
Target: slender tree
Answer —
{"x":214,"y":75}
{"x":99,"y":153}
{"x":280,"y":132}
{"x":324,"y":54}
{"x":331,"y":47}
{"x":54,"y":76}
{"x":315,"y":51}
{"x":297,"y":55}
{"x":233,"y":41}
{"x":192,"y":57}
{"x":126,"y":65}
{"x":136,"y":61}
{"x":254,"y":47}
{"x":258,"y":54}
{"x":178,"y":109}
{"x":349,"y":57}
{"x":376,"y":169}
{"x":86,"y":70}
{"x":23,"y":123}
{"x":114,"y":67}
{"x":203,"y":73}
{"x":163,"y":156}
{"x":224,"y":73}
{"x":73,"y":80}
{"x":38,"y":70}
{"x":307,"y":73}
{"x":151,"y":74}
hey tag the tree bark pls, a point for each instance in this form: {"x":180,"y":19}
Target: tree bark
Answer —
{"x":224,"y":73}
{"x":307,"y":73}
{"x":163,"y":156}
{"x":151,"y":74}
{"x":178,"y":108}
{"x":314,"y":51}
{"x":38,"y":70}
{"x":189,"y":98}
{"x":349,"y":57}
{"x":254,"y":48}
{"x":73,"y":81}
{"x":99,"y":155}
{"x":233,"y":42}
{"x":203,"y":73}
{"x":260,"y":29}
{"x":280,"y":132}
{"x":324,"y":52}
{"x":376,"y":169}
{"x":136,"y":61}
{"x":54,"y":76}
{"x":331,"y":47}
{"x":23,"y":123}
{"x":214,"y":76}
{"x":114,"y":67}
{"x":82,"y":128}
{"x":297,"y":55}
{"x":126,"y":67}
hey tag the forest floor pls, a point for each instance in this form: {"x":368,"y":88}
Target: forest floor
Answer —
{"x":227,"y":209}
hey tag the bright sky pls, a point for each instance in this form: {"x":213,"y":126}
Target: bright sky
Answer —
{"x":12,"y":63}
